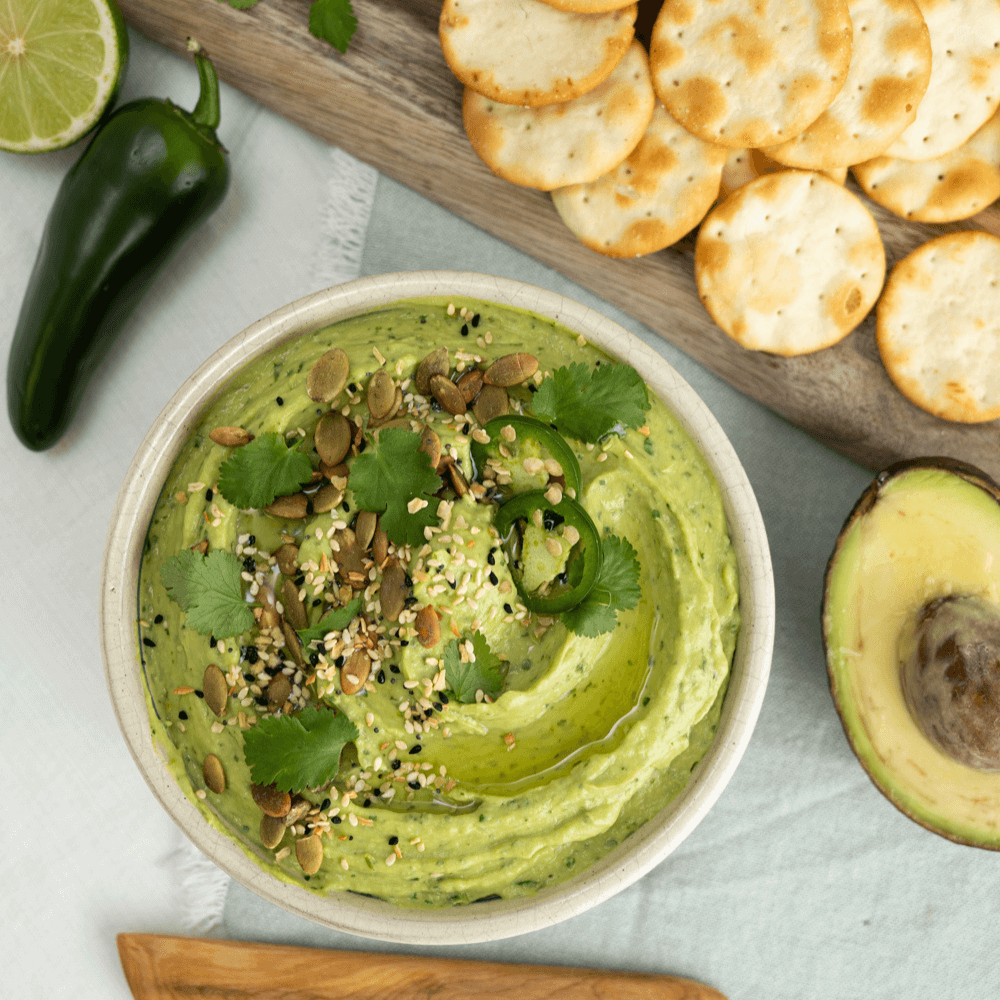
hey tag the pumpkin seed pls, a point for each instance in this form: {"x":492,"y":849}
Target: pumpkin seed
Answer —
{"x":328,"y":376}
{"x":393,"y":591}
{"x":491,"y":402}
{"x":326,"y":498}
{"x":271,"y":800}
{"x":291,"y":507}
{"x":299,"y":809}
{"x":215,"y":689}
{"x":272,"y":830}
{"x":447,"y":394}
{"x":292,"y":642}
{"x":295,"y":610}
{"x":430,"y":445}
{"x":230,"y":437}
{"x":215,"y":777}
{"x":470,"y":383}
{"x":288,"y":558}
{"x":200,"y":547}
{"x":436,"y":363}
{"x":269,"y":617}
{"x":511,"y":369}
{"x":350,"y":557}
{"x":332,"y":438}
{"x":380,"y":546}
{"x":381,"y":394}
{"x":388,"y":424}
{"x":309,"y":853}
{"x":428,"y":627}
{"x":364,"y":528}
{"x":459,"y":481}
{"x":278,"y":692}
{"x":359,"y":667}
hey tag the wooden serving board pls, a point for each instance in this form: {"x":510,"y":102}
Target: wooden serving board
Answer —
{"x":392,"y":102}
{"x":171,"y":968}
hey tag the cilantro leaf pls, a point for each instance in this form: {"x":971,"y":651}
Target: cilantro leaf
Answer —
{"x":587,"y":404}
{"x":256,"y":473}
{"x":485,"y":673}
{"x":209,"y":590}
{"x":617,"y":589}
{"x":297,"y":752}
{"x":334,"y":620}
{"x":390,"y":473}
{"x":333,"y":21}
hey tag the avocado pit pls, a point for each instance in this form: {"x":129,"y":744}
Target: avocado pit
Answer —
{"x":949,"y":667}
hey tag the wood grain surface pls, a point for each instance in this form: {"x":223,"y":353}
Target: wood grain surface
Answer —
{"x":158,"y":967}
{"x":392,"y":102}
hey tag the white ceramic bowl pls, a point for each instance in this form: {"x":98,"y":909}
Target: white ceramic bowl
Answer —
{"x":489,"y":920}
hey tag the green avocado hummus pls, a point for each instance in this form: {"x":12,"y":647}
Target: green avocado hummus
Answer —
{"x":443,"y":797}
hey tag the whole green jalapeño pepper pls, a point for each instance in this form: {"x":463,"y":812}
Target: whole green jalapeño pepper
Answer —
{"x":585,"y":556}
{"x":533,"y":431}
{"x":150,"y":176}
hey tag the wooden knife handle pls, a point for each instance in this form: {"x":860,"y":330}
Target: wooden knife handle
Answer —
{"x":159,"y":967}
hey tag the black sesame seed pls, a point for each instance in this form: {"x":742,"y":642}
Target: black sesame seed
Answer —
{"x":182,"y":714}
{"x":211,"y":641}
{"x":408,"y":579}
{"x":300,"y":579}
{"x":494,"y":579}
{"x":271,"y":671}
{"x":158,"y":620}
{"x":248,"y":677}
{"x":250,"y":564}
{"x":351,"y":837}
{"x":416,"y":748}
{"x":380,"y":677}
{"x":345,"y":505}
{"x":252,"y":540}
{"x":148,"y":642}
{"x":395,"y":765}
{"x":394,"y":668}
{"x":279,"y":401}
{"x":317,"y":602}
{"x":465,"y":329}
{"x":437,"y":705}
{"x":309,"y":827}
{"x":490,"y":558}
{"x":393,"y":841}
{"x":324,"y":805}
{"x":336,"y":820}
{"x":339,"y":662}
{"x":475,"y":320}
{"x":208,"y":495}
{"x":532,"y":387}
{"x":199,"y":694}
{"x":508,"y":609}
{"x":261,"y":700}
{"x":314,"y":659}
{"x":428,"y":713}
{"x":252,"y":655}
{"x":409,"y":601}
{"x":307,"y":877}
{"x":444,"y":699}
{"x":366,"y":803}
{"x":415,"y":785}
{"x":404,"y":642}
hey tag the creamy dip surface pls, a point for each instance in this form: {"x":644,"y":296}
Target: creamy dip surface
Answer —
{"x":440,"y":802}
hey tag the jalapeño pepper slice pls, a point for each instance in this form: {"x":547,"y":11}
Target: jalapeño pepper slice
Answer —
{"x":529,"y":429}
{"x":584,"y":564}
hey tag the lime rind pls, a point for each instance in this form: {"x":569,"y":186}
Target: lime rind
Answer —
{"x":60,"y":67}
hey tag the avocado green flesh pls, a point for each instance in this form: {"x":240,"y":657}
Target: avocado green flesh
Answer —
{"x":929,"y":533}
{"x":606,"y":730}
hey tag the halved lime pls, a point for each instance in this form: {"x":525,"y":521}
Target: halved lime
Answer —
{"x":60,"y":65}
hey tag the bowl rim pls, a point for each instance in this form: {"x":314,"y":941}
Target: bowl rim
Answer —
{"x":364,"y":916}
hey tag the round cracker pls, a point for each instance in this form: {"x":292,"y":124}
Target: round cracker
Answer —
{"x":652,"y":199}
{"x":790,"y":263}
{"x":890,"y":68}
{"x":569,"y":143}
{"x":938,"y":326}
{"x":749,"y":75}
{"x":945,"y":189}
{"x":588,"y":6}
{"x":529,"y":53}
{"x":965,"y":78}
{"x":743,"y":165}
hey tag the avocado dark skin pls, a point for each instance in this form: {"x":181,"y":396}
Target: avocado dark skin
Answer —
{"x":913,"y":652}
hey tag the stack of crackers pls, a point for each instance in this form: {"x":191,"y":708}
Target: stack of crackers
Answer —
{"x":759,"y":110}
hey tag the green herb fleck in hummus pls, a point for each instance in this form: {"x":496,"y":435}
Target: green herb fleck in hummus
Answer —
{"x":428,"y":700}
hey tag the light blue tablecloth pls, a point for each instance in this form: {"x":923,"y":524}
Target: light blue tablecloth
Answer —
{"x":802,"y":883}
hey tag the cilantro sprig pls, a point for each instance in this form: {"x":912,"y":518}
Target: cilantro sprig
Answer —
{"x":617,"y":589}
{"x":331,"y":20}
{"x":209,"y":590}
{"x":256,"y":473}
{"x":296,"y":752}
{"x":334,"y":621}
{"x":484,"y":673}
{"x":388,"y":475}
{"x":588,"y":404}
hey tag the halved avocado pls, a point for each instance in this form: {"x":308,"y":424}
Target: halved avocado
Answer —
{"x":911,"y":628}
